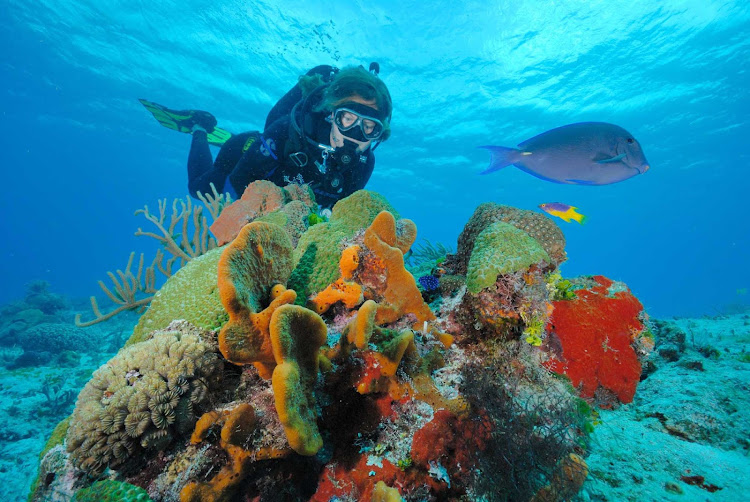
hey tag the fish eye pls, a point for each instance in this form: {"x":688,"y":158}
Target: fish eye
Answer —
{"x":630,"y":140}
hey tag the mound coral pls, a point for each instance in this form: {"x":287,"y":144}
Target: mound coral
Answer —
{"x":143,"y":398}
{"x":191,"y":294}
{"x":596,"y":332}
{"x":317,"y":255}
{"x":537,"y":225}
{"x":54,"y":337}
{"x":498,"y":250}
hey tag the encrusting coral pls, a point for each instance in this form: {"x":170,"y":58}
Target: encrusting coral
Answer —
{"x":143,"y":398}
{"x":598,"y":334}
{"x":109,"y":490}
{"x":498,"y":250}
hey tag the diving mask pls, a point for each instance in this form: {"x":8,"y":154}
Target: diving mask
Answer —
{"x":350,"y":115}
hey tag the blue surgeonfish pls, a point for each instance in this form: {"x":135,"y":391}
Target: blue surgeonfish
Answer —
{"x":586,"y":153}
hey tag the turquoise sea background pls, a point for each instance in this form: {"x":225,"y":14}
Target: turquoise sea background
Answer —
{"x":80,"y":154}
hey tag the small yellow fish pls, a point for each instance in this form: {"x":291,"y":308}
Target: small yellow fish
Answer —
{"x":563,"y":211}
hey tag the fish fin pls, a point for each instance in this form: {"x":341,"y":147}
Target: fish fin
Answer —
{"x":580,"y":182}
{"x":579,"y":217}
{"x":501,"y":157}
{"x":611,"y":159}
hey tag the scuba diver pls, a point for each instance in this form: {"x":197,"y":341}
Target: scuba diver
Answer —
{"x":322,"y":133}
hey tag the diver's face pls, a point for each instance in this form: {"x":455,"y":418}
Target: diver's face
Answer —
{"x":337,"y":137}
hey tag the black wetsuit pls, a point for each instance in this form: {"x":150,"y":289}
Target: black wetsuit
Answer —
{"x":274,"y":155}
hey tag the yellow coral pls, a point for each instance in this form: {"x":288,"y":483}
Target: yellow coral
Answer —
{"x":384,"y":493}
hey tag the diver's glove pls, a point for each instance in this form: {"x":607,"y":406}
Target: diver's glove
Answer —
{"x":204,"y":120}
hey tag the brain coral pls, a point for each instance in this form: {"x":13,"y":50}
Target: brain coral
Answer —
{"x":191,"y":294}
{"x":109,"y":490}
{"x":142,"y":398}
{"x":501,"y":249}
{"x":317,"y":255}
{"x":537,"y":225}
{"x":53,"y":337}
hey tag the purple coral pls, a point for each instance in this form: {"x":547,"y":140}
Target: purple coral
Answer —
{"x":429,"y":282}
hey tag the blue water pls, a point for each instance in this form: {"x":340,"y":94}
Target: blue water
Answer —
{"x":80,"y":154}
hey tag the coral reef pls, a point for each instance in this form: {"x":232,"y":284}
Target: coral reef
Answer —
{"x":326,"y":375}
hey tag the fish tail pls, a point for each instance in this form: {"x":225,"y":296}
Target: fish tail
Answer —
{"x":501,"y":157}
{"x":578,"y":217}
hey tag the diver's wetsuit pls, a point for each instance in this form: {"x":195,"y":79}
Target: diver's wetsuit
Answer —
{"x":252,"y":156}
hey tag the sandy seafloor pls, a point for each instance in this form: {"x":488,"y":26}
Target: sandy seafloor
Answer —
{"x":689,"y":417}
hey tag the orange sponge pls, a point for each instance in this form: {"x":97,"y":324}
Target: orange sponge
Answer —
{"x":252,"y":271}
{"x":297,"y":334}
{"x":401,"y":294}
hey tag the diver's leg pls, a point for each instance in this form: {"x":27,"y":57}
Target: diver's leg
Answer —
{"x":201,"y":171}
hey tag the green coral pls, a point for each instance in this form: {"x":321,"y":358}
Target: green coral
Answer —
{"x":533,"y":332}
{"x":109,"y":490}
{"x":559,"y":288}
{"x":57,"y":437}
{"x":501,"y":249}
{"x":321,"y":267}
{"x":191,"y":294}
{"x":292,"y":217}
{"x":142,"y":398}
{"x":537,"y":225}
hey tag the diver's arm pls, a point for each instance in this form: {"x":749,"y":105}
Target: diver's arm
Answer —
{"x":360,"y":178}
{"x":256,"y":163}
{"x":202,"y":170}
